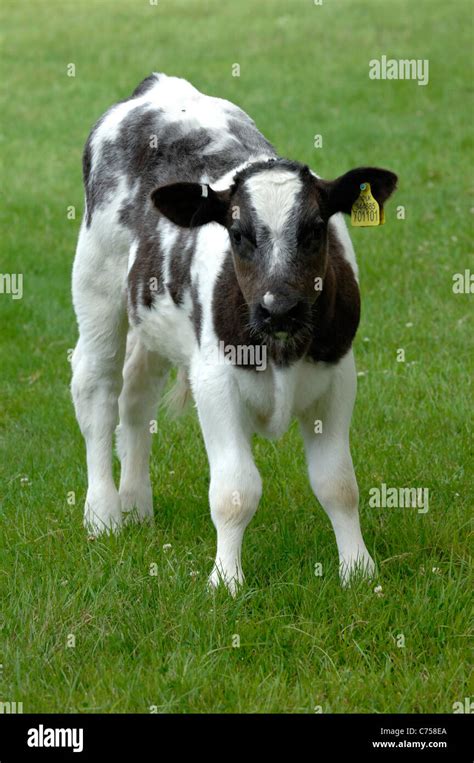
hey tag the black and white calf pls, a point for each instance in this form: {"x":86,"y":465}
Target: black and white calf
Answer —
{"x":197,"y":238}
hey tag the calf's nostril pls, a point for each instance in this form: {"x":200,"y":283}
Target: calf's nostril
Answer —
{"x":294,"y":311}
{"x":265,"y":313}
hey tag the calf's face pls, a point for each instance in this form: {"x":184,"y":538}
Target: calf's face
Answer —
{"x":276,"y":214}
{"x":279,"y":246}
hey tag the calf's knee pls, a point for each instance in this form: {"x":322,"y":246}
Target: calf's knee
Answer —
{"x":235,"y":501}
{"x":338,"y":492}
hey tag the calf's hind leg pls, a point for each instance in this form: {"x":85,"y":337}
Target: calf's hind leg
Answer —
{"x":97,"y":362}
{"x":144,"y":377}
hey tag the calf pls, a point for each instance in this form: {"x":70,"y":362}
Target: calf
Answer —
{"x":214,"y":255}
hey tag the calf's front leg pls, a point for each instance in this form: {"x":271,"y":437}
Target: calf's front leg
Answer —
{"x":235,"y":486}
{"x":331,"y":471}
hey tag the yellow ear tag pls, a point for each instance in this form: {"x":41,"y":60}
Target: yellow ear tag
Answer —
{"x":365,"y":210}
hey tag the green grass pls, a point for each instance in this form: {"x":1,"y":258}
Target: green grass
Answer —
{"x":143,"y":640}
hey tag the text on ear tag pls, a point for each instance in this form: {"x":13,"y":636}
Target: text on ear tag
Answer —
{"x":365,"y":210}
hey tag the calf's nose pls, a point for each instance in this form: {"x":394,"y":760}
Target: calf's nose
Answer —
{"x":279,"y":309}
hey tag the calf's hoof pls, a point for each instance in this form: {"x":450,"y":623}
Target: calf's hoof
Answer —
{"x":231,"y":582}
{"x":137,"y":505}
{"x":102,"y":514}
{"x":361,"y":565}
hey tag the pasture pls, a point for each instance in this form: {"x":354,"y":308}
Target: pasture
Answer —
{"x":125,"y":624}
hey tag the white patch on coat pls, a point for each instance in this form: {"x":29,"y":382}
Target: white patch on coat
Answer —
{"x":132,"y":254}
{"x":338,"y":224}
{"x":225,"y":181}
{"x":103,"y":248}
{"x":212,"y":243}
{"x":282,"y":393}
{"x":167,"y":329}
{"x":168,"y":233}
{"x":181,"y":102}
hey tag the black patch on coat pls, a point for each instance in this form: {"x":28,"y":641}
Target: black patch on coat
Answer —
{"x":145,"y":279}
{"x":248,"y":136}
{"x":103,"y":183}
{"x":95,"y":189}
{"x":180,"y":266}
{"x":196,"y":315}
{"x":229,"y":309}
{"x":145,"y":85}
{"x":336,"y":313}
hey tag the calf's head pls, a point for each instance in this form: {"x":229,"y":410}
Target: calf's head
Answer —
{"x":277,"y":214}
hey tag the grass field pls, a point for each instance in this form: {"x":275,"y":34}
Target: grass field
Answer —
{"x":163,"y":641}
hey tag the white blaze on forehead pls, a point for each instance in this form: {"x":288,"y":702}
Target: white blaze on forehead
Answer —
{"x":273,"y":194}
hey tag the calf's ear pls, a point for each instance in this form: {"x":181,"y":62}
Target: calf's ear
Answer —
{"x":191,"y":204}
{"x":339,"y":195}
